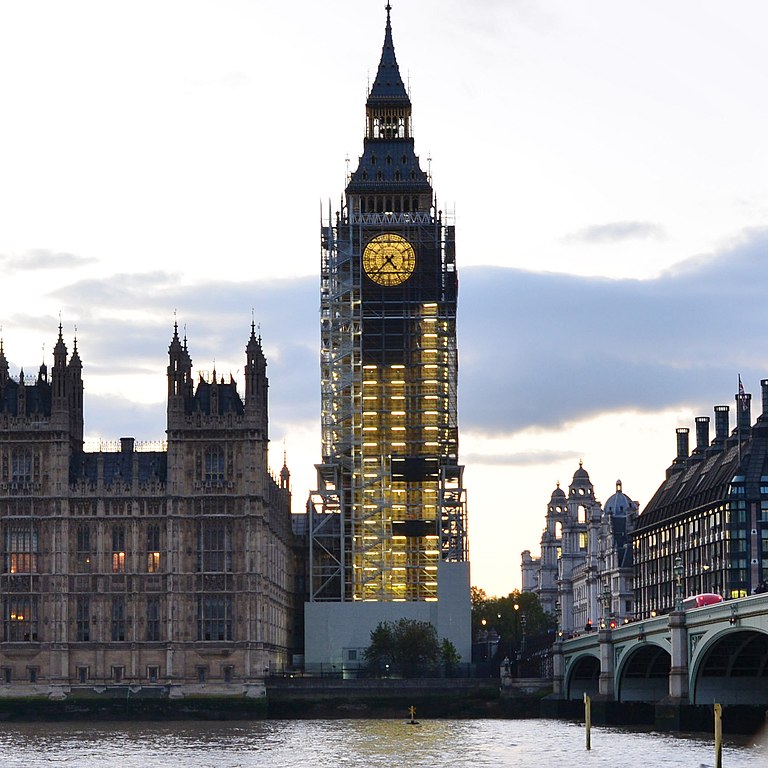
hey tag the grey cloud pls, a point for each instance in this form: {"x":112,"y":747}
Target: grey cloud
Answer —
{"x":618,"y":231}
{"x":542,"y":349}
{"x":41,"y":259}
{"x":535,"y":349}
{"x":216,"y":317}
{"x":525,"y":459}
{"x":114,"y":417}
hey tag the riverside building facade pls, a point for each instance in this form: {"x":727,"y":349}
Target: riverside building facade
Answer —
{"x":169,"y":569}
{"x":584,"y":574}
{"x":387,"y":525}
{"x":706,"y":527}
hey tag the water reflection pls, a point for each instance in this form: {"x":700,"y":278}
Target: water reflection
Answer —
{"x":358,"y":743}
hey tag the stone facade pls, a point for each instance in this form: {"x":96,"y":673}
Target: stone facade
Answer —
{"x":168,"y":570}
{"x":584,"y":574}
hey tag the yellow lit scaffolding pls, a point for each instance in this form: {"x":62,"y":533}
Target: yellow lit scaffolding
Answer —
{"x":390,"y":503}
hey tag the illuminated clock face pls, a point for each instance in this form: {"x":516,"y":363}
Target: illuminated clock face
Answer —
{"x":389,"y":259}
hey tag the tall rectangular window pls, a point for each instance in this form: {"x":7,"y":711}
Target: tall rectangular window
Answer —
{"x":20,"y":618}
{"x":153,"y":618}
{"x":21,"y":466}
{"x":214,"y":548}
{"x":21,"y":549}
{"x":83,"y":554}
{"x":214,"y":617}
{"x":153,"y":548}
{"x":118,"y":618}
{"x":118,"y":549}
{"x":83,"y":619}
{"x":213,"y":471}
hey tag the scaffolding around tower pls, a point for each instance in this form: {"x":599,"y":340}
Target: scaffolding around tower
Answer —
{"x":390,"y":503}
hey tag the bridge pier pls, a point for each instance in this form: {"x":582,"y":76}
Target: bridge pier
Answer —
{"x":678,"y":673}
{"x":605,"y":682}
{"x":558,"y":669}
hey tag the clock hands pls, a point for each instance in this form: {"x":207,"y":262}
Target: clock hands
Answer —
{"x":388,"y":259}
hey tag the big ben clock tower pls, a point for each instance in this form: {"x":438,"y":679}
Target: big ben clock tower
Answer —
{"x":387,"y":525}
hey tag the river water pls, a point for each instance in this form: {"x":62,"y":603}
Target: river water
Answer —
{"x":358,"y":744}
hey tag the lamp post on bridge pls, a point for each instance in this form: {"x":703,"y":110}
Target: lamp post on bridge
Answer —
{"x":678,"y":570}
{"x":605,"y":599}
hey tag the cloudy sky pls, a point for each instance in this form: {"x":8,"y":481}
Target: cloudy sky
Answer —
{"x":605,"y":161}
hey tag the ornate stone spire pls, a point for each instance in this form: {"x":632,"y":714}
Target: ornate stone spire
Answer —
{"x":388,"y":85}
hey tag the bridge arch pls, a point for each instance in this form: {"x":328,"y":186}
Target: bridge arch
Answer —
{"x":583,"y":676}
{"x":731,"y":668}
{"x":643,"y":673}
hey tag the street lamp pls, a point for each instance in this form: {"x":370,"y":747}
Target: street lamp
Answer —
{"x":516,"y":606}
{"x":678,"y":570}
{"x":606,"y":601}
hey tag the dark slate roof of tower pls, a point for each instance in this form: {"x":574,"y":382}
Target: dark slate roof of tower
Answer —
{"x":388,"y":85}
{"x":118,"y":466}
{"x":228,"y":398}
{"x":705,"y":479}
{"x":37,"y":398}
{"x":389,"y":164}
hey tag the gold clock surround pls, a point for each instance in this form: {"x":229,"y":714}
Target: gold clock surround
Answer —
{"x":389,"y":259}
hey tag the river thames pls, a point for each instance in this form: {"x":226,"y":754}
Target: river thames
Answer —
{"x":358,"y":744}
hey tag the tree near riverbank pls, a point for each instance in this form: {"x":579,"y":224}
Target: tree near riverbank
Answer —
{"x":518,"y":619}
{"x":408,"y":647}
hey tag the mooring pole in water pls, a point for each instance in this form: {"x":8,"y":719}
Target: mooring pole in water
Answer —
{"x":588,"y":720}
{"x":718,"y":736}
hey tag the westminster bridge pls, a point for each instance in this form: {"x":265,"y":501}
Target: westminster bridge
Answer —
{"x":716,"y":653}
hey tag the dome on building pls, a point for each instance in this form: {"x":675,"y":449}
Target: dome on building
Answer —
{"x":581,"y":484}
{"x":619,"y":505}
{"x":581,"y":474}
{"x":558,"y":500}
{"x":558,"y":493}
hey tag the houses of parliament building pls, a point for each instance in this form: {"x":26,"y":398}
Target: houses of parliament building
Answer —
{"x":168,"y":569}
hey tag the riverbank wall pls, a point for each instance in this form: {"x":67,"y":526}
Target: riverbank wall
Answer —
{"x":328,"y":698}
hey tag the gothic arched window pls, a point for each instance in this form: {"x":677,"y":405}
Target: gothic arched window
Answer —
{"x":21,"y":466}
{"x":213,"y":466}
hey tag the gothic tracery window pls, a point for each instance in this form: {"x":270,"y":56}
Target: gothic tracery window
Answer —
{"x":213,"y":467}
{"x":21,"y":549}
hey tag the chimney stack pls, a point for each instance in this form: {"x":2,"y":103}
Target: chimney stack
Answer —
{"x":764,"y":385}
{"x":743,"y":414}
{"x":702,"y":433}
{"x":722,"y":419}
{"x":682,"y":443}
